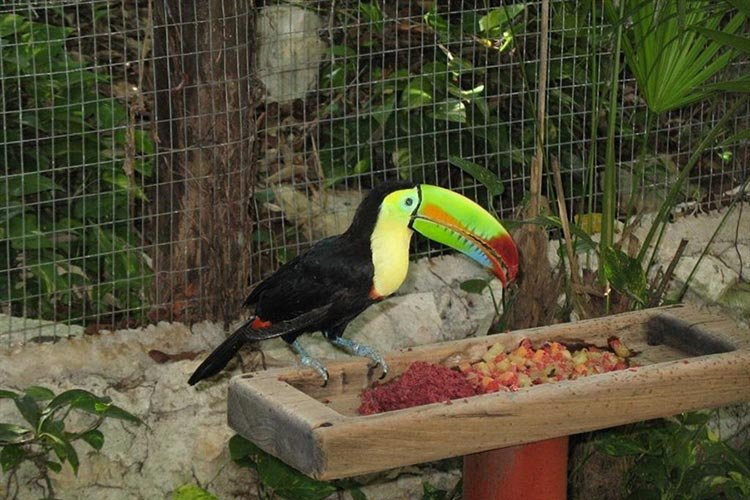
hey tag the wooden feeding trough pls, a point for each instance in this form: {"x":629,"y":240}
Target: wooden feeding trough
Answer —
{"x":687,"y":360}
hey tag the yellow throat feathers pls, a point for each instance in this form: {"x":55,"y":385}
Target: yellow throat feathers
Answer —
{"x":390,"y":253}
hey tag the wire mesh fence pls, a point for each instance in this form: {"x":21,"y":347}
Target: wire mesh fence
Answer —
{"x":162,"y":156}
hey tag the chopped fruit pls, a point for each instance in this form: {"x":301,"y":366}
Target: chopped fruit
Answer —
{"x":525,"y":366}
{"x":493,"y":351}
{"x":498,"y":371}
{"x":618,"y":347}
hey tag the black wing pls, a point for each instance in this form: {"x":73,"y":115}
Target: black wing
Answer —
{"x":335,"y":272}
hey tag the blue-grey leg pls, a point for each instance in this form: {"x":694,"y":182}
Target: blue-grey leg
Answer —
{"x":308,"y":361}
{"x":357,"y":349}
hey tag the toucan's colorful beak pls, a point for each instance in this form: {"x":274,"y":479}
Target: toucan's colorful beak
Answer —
{"x":456,"y":221}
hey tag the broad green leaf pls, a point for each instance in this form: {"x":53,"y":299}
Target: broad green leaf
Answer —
{"x":48,"y":276}
{"x":11,"y":23}
{"x":83,"y":400}
{"x":24,"y":234}
{"x":624,"y":273}
{"x":72,"y":456}
{"x":94,"y":438}
{"x":6,"y":394}
{"x":452,"y":110}
{"x":16,"y":186}
{"x":243,"y":451}
{"x":39,"y":393}
{"x":55,"y":466}
{"x":28,"y":408}
{"x":487,"y":178}
{"x":288,"y":483}
{"x":618,"y":445}
{"x":11,"y":456}
{"x":476,"y":285}
{"x":418,"y":93}
{"x":192,"y":492}
{"x":13,"y":434}
{"x":741,"y":5}
{"x":357,"y":494}
{"x":383,"y":112}
{"x":495,"y":21}
{"x":114,"y":411}
{"x":143,"y":143}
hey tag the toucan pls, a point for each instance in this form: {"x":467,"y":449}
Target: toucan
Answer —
{"x":326,"y":287}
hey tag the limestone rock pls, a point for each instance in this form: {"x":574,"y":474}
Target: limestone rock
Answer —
{"x":288,"y":51}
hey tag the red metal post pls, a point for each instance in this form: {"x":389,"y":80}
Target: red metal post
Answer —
{"x":534,"y":471}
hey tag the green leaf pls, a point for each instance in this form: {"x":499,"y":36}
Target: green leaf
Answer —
{"x":357,"y":494}
{"x":114,"y":411}
{"x":55,"y":466}
{"x":482,"y":174}
{"x":94,"y":438}
{"x":739,"y":43}
{"x":495,"y":21}
{"x":24,"y":234}
{"x":13,"y":434}
{"x":192,"y":492}
{"x":694,"y":418}
{"x":476,"y":286}
{"x":430,"y":492}
{"x":279,"y":477}
{"x":71,"y":455}
{"x":741,"y":5}
{"x":16,"y":186}
{"x":6,"y":394}
{"x":11,"y":456}
{"x":740,"y":85}
{"x":417,"y":94}
{"x":624,"y":273}
{"x":12,"y":24}
{"x":288,"y":483}
{"x":78,"y":398}
{"x":671,"y":63}
{"x":242,"y":451}
{"x":39,"y":393}
{"x":618,"y":445}
{"x":451,"y":110}
{"x":28,"y":408}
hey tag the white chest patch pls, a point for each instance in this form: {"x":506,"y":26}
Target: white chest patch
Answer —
{"x":390,"y":255}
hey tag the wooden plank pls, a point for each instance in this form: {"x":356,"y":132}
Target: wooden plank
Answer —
{"x":281,"y":420}
{"x":316,"y":429}
{"x":498,"y":420}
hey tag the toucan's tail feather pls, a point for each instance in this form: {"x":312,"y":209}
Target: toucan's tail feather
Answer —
{"x":218,"y":359}
{"x":222,"y":355}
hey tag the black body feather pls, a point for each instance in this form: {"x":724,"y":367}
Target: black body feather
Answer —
{"x":322,"y":289}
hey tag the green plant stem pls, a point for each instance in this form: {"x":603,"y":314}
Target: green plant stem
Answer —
{"x":674,"y":191}
{"x":609,"y":190}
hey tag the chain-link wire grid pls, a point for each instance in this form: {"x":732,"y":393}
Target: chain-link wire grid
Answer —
{"x":445,"y":92}
{"x":132,"y":190}
{"x":125,"y":140}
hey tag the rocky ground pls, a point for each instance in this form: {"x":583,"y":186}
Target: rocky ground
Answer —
{"x":184,"y":439}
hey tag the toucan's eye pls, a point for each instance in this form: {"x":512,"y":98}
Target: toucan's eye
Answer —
{"x":409,"y":202}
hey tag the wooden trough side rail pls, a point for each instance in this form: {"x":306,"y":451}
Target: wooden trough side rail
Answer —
{"x":280,"y":419}
{"x":331,"y":446}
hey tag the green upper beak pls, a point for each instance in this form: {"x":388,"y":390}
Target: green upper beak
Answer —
{"x":454,"y":220}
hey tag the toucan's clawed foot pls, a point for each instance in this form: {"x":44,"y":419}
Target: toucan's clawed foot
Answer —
{"x":357,"y":349}
{"x":310,"y":362}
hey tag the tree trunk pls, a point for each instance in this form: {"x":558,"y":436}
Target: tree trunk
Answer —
{"x":200,"y":223}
